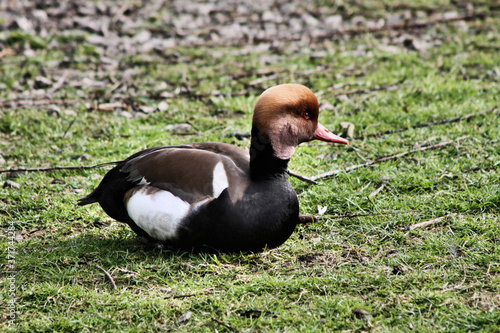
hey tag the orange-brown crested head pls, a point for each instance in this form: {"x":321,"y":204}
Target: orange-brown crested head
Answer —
{"x":288,"y":115}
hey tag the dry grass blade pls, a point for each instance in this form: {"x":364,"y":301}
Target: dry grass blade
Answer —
{"x":108,"y":275}
{"x":377,"y":191}
{"x":458,"y":286}
{"x":59,"y":83}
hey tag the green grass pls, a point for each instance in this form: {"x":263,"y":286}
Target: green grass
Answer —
{"x":444,"y":277}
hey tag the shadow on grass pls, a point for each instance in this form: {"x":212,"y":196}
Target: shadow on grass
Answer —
{"x":92,"y":261}
{"x":99,"y":246}
{"x":113,"y":250}
{"x":81,"y":260}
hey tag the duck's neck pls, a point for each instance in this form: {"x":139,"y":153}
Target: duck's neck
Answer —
{"x":263,"y":163}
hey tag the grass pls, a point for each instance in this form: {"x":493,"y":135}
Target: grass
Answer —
{"x":444,"y":277}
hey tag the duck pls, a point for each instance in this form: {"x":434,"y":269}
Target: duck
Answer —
{"x":212,"y":196}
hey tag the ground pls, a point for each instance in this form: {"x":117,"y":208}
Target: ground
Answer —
{"x":407,"y":234}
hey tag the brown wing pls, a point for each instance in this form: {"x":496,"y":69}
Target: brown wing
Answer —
{"x":188,"y":171}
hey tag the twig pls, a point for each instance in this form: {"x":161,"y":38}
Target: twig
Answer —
{"x":80,"y":167}
{"x":388,"y":87}
{"x":338,"y":86}
{"x":438,"y":122}
{"x":427,"y":223}
{"x":281,"y":73}
{"x":264,"y":79}
{"x":341,"y":34}
{"x":372,"y":214}
{"x":488,"y":167}
{"x":303,"y":178}
{"x":402,"y":26}
{"x":191,"y":94}
{"x":184,"y":296}
{"x":383,"y":159}
{"x":225,"y":325}
{"x":37,"y":102}
{"x":411,"y":7}
{"x":258,"y":73}
{"x":204,"y":292}
{"x":110,"y":278}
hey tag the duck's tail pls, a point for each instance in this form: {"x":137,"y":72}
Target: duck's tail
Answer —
{"x":87,"y":200}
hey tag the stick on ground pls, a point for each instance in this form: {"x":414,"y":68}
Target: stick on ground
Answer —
{"x":400,"y":26}
{"x":383,"y":159}
{"x":225,"y":325}
{"x":80,"y":167}
{"x":438,"y":122}
{"x":303,"y":178}
{"x":426,"y":223}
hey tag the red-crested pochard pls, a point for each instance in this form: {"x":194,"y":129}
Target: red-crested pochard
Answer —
{"x":216,"y":196}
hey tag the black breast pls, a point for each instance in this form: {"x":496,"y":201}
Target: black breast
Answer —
{"x":264,"y":218}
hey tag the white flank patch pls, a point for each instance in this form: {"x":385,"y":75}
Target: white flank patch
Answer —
{"x":144,"y":182}
{"x":159,"y":213}
{"x":219,"y":182}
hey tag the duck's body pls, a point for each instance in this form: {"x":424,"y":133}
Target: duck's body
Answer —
{"x":215,"y":196}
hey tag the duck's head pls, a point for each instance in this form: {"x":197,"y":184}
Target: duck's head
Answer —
{"x":287,"y":115}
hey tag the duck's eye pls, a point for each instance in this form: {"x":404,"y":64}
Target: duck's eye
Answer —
{"x":306,"y":115}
